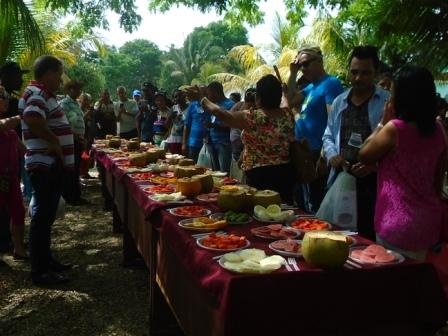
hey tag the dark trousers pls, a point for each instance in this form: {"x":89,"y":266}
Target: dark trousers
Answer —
{"x":46,"y":193}
{"x":193,"y":153}
{"x":366,"y":201}
{"x":309,"y":196}
{"x":279,"y":178}
{"x":129,"y":135}
{"x":5,"y":234}
{"x":72,"y":183}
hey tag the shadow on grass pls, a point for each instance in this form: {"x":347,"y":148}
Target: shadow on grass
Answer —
{"x":102,"y":299}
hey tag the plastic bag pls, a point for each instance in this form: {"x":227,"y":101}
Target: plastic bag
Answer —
{"x":339,"y":205}
{"x":205,"y":157}
{"x":60,"y":212}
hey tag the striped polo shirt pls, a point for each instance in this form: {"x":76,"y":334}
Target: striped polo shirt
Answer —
{"x":38,"y":102}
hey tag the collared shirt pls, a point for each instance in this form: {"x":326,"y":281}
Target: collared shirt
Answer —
{"x":331,"y":137}
{"x":74,"y":115}
{"x":221,"y":134}
{"x":195,"y":121}
{"x":37,"y":102}
{"x":128,"y":123}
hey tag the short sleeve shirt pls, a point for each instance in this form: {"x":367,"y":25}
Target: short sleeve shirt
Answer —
{"x":37,"y":102}
{"x":313,"y":118}
{"x":74,"y":115}
{"x":128,"y":123}
{"x":221,"y":135}
{"x":196,"y":118}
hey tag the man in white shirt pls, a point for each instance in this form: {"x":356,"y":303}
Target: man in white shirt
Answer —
{"x":126,"y":111}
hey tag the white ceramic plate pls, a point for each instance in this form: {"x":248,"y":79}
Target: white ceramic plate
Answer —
{"x":268,"y":220}
{"x":221,"y":263}
{"x":285,"y":253}
{"x":260,"y":235}
{"x":398,"y":258}
{"x":198,"y":242}
{"x":196,"y":229}
{"x":204,"y":214}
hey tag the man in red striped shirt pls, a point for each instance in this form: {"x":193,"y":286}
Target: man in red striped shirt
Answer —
{"x":48,"y":138}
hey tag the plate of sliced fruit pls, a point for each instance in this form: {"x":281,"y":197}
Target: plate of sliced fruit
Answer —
{"x":202,"y":224}
{"x":223,"y":243}
{"x":287,"y":247}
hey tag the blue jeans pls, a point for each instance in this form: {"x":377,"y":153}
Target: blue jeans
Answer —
{"x":47,"y":189}
{"x":222,"y":156}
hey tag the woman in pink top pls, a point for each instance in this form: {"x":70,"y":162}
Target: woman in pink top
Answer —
{"x":411,"y":153}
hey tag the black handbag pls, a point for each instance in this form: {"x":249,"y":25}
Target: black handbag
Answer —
{"x":302,"y":160}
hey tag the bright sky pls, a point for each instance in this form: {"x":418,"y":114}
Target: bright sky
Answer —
{"x":173,"y":26}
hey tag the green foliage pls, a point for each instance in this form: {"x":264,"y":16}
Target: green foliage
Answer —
{"x":92,"y":13}
{"x":19,"y":30}
{"x":90,"y":74}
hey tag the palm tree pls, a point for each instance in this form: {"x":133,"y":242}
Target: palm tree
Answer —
{"x":254,"y":67}
{"x":19,"y":30}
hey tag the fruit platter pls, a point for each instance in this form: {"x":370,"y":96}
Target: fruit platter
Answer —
{"x":233,"y":218}
{"x":163,"y":180}
{"x":160,"y":189}
{"x":309,"y":224}
{"x":375,"y":255}
{"x":210,"y":197}
{"x":202,"y":224}
{"x":287,"y":247}
{"x":173,"y":197}
{"x":142,"y":176}
{"x":190,"y":211}
{"x":251,"y":261}
{"x":274,"y":231}
{"x":272,"y":214}
{"x":215,"y":242}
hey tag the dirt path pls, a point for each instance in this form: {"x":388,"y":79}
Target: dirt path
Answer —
{"x":103,"y":298}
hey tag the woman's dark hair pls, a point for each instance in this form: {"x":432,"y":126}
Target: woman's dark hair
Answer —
{"x":249,"y":95}
{"x":44,"y":64}
{"x":365,"y":52}
{"x":415,"y":99}
{"x":269,"y":92}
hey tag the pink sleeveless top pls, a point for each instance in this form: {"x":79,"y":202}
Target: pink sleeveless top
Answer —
{"x":408,"y":210}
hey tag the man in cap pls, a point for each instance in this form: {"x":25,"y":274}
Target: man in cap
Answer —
{"x":11,"y":79}
{"x":75,"y":116}
{"x":313,"y":108}
{"x":137,"y":95}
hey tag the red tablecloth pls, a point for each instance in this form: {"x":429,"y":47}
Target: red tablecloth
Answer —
{"x":408,"y":293}
{"x":309,"y":300}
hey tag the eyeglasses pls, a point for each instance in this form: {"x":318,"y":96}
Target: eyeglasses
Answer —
{"x":305,"y":64}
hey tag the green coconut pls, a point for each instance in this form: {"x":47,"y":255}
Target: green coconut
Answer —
{"x":137,"y":160}
{"x":232,"y":200}
{"x":151,"y":156}
{"x":325,"y":249}
{"x":206,"y":182}
{"x":186,"y":162}
{"x":133,"y":145}
{"x":114,"y":143}
{"x":185,"y":171}
{"x":266,"y":198}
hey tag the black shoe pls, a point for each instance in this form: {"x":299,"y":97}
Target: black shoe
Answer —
{"x":56,"y":266}
{"x":18,"y":257}
{"x":48,"y":279}
{"x":81,"y":201}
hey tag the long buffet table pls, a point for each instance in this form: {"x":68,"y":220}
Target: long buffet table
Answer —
{"x":403,"y":299}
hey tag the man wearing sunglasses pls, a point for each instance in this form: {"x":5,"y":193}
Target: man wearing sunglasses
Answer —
{"x":311,"y":119}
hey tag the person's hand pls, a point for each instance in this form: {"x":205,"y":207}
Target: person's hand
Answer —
{"x":56,"y":151}
{"x":361,"y":170}
{"x":294,"y":65}
{"x":194,"y":93}
{"x":388,"y":113}
{"x":338,"y":161}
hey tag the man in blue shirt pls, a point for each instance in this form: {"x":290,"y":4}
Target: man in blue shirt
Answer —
{"x":311,"y":120}
{"x":195,"y":130}
{"x":354,"y":115}
{"x":219,"y":133}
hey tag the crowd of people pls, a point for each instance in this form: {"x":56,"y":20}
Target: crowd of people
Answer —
{"x":387,"y":130}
